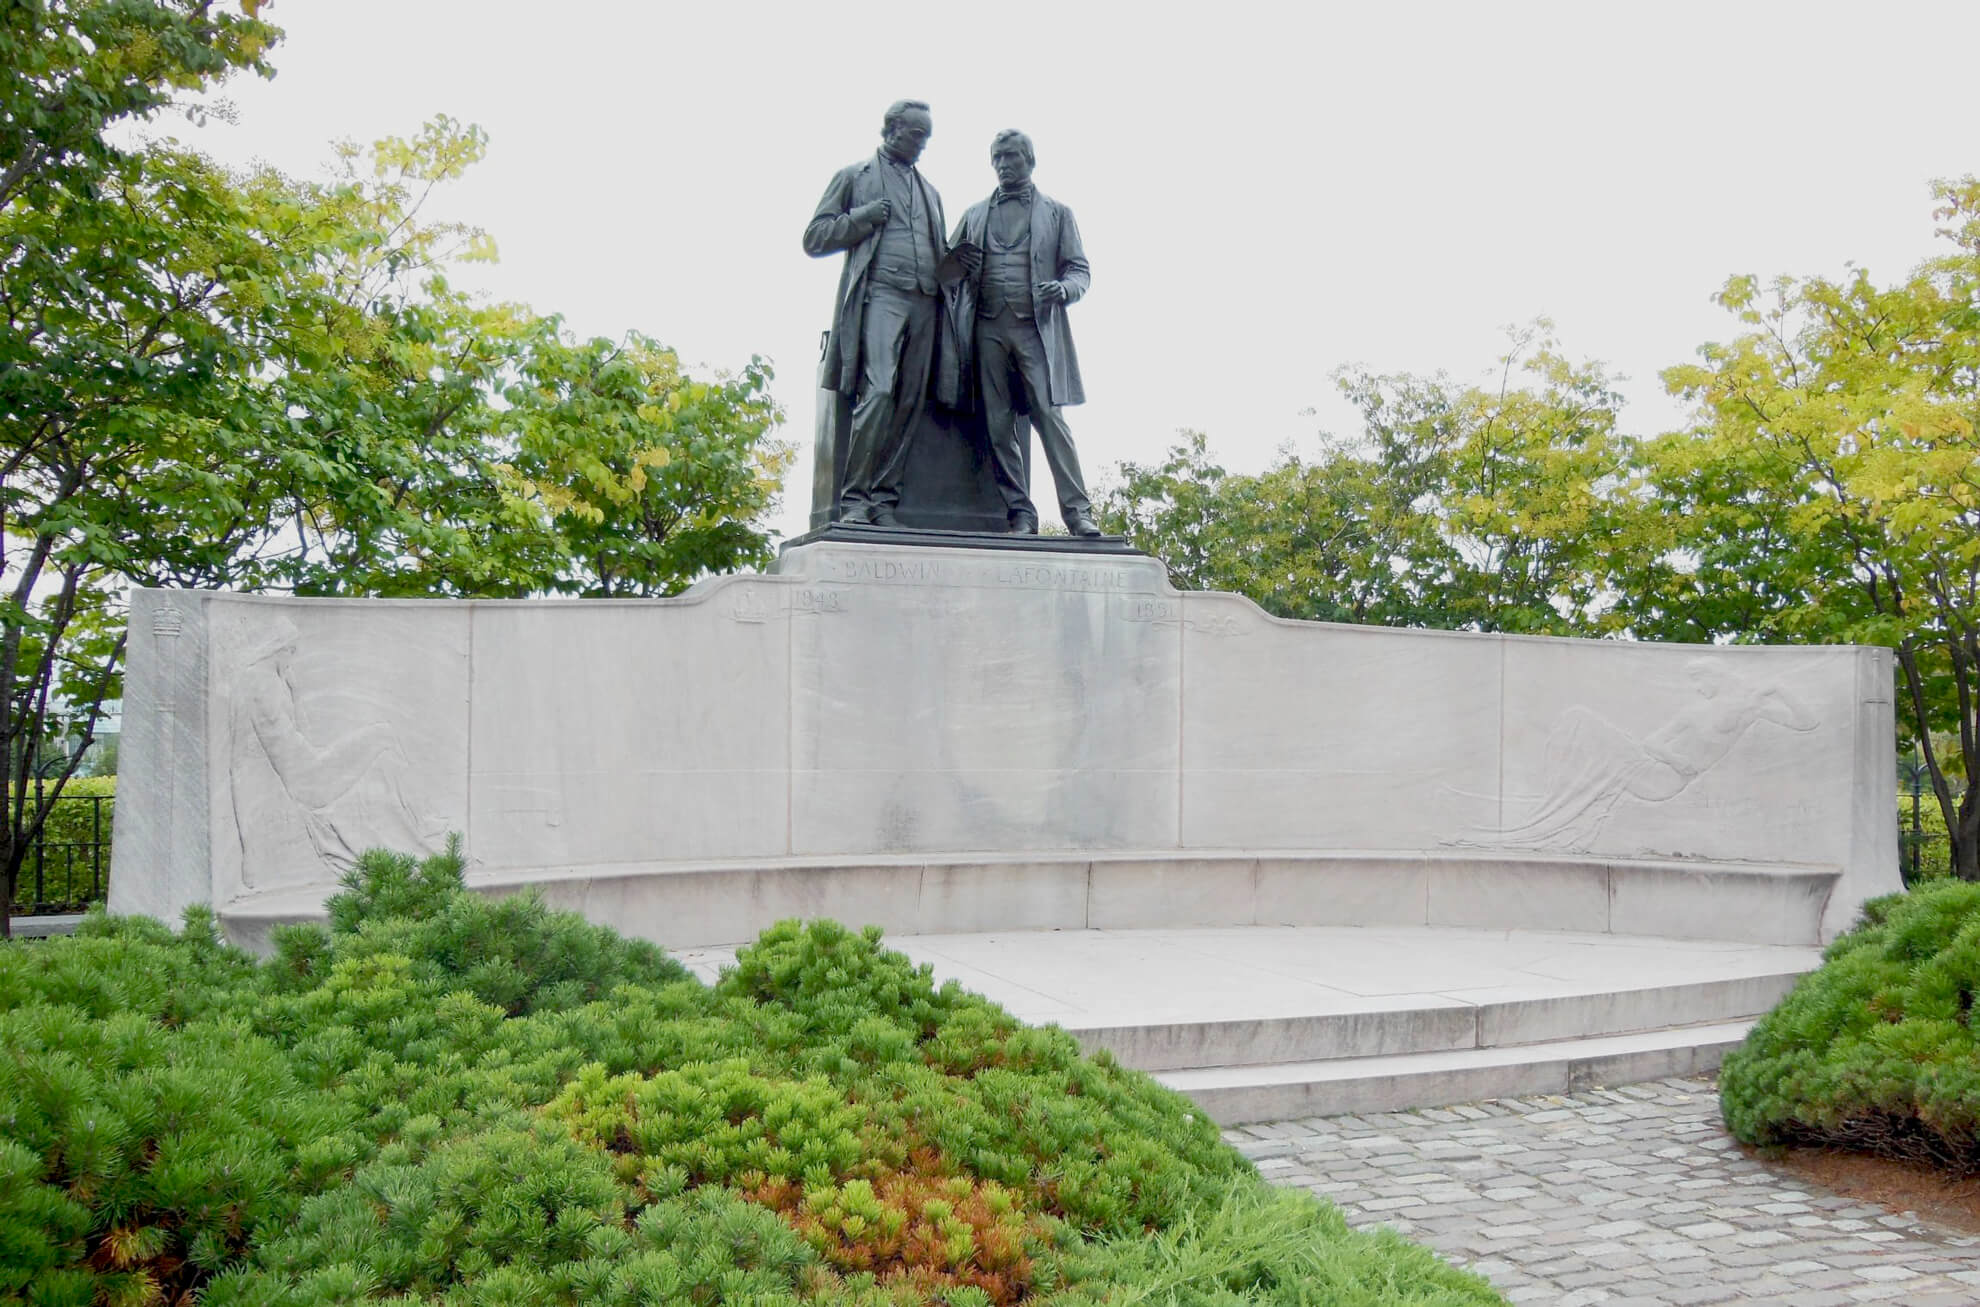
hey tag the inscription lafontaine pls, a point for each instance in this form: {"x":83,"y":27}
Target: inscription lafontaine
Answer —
{"x":1018,"y":575}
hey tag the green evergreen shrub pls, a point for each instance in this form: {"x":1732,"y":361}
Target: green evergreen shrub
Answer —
{"x":153,"y":1135}
{"x":512,"y":952}
{"x":1263,"y":1245}
{"x":1875,"y":1050}
{"x":440,"y":1098}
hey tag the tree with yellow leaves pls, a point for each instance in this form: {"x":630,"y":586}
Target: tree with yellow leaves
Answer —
{"x":1828,"y":489}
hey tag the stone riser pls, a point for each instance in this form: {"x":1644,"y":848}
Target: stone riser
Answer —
{"x":1236,"y":1095}
{"x":1441,"y":1029}
{"x":683,"y":907}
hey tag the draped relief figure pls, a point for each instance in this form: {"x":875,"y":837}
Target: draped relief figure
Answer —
{"x":1591,"y":765}
{"x":306,"y":803}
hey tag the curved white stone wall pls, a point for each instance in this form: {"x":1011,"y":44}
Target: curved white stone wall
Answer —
{"x":888,"y":702}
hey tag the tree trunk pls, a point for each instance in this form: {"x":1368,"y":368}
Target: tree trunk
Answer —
{"x":1962,"y":816}
{"x":1964,"y":836}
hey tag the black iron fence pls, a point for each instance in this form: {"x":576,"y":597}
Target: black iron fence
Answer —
{"x":1922,"y":854}
{"x":1923,"y":850}
{"x":68,"y":867}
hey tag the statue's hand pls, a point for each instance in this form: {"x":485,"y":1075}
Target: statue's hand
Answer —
{"x":873,"y":214}
{"x":1052,"y":292}
{"x":971,"y":258}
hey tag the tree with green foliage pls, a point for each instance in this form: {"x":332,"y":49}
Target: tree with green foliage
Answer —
{"x":1518,"y":488}
{"x":1464,"y":508}
{"x":1828,"y":489}
{"x":254,"y":383}
{"x":71,"y":69}
{"x":645,"y":477}
{"x":1322,"y":540}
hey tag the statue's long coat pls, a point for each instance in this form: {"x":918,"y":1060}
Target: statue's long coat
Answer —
{"x":832,"y":229}
{"x":1056,"y":255}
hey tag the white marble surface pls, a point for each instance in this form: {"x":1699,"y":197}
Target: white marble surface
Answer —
{"x":683,"y":905}
{"x":1309,"y":735}
{"x":161,"y":857}
{"x":969,"y":700}
{"x":603,"y":729}
{"x":1647,"y":750}
{"x":1095,"y":979}
{"x":331,"y":730}
{"x":972,"y":709}
{"x":1253,"y":1020}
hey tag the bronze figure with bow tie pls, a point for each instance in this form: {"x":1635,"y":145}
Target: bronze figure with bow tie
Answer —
{"x":1008,"y":339}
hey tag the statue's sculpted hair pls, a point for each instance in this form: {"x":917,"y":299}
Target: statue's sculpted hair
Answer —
{"x":1012,"y":136}
{"x":898,"y":110}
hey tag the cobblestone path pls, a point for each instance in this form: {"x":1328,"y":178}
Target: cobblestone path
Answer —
{"x":1629,"y":1197}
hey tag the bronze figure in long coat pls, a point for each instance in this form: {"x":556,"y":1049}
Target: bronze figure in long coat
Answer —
{"x":1057,"y":254}
{"x":880,"y":352}
{"x":1008,"y":344}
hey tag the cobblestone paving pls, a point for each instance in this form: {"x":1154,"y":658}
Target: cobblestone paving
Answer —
{"x":1629,"y":1197}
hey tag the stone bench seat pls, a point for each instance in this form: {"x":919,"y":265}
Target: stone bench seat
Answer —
{"x":695,"y":904}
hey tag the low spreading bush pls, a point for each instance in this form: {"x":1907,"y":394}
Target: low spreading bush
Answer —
{"x":441,"y":1098}
{"x":1875,"y":1050}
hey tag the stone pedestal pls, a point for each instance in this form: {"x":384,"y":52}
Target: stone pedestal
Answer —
{"x":1019,"y":716}
{"x":948,"y":484}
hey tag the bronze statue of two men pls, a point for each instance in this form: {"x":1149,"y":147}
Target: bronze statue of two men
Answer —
{"x":974,"y":319}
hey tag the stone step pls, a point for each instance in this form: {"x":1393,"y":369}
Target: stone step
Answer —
{"x":1269,"y":1023}
{"x":45,"y":927}
{"x":1157,"y":1045}
{"x":1234,"y":1095}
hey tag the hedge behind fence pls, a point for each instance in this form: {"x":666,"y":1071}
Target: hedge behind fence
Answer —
{"x":65,"y":847}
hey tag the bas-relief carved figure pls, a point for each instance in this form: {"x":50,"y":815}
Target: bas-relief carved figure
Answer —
{"x":295,"y":799}
{"x":1592,"y":765}
{"x":880,"y":351}
{"x":1014,"y":346}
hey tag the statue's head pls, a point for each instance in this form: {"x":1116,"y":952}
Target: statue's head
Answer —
{"x":1012,"y":156}
{"x":271,"y":642}
{"x":906,"y":129}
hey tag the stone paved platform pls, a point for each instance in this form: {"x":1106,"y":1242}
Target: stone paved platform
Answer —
{"x":1261,"y":1023}
{"x":1627,"y":1197}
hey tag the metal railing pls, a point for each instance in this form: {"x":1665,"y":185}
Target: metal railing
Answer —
{"x":1922,"y":854}
{"x":68,"y":866}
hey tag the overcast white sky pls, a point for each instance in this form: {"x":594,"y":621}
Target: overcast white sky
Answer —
{"x":1267,"y":192}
